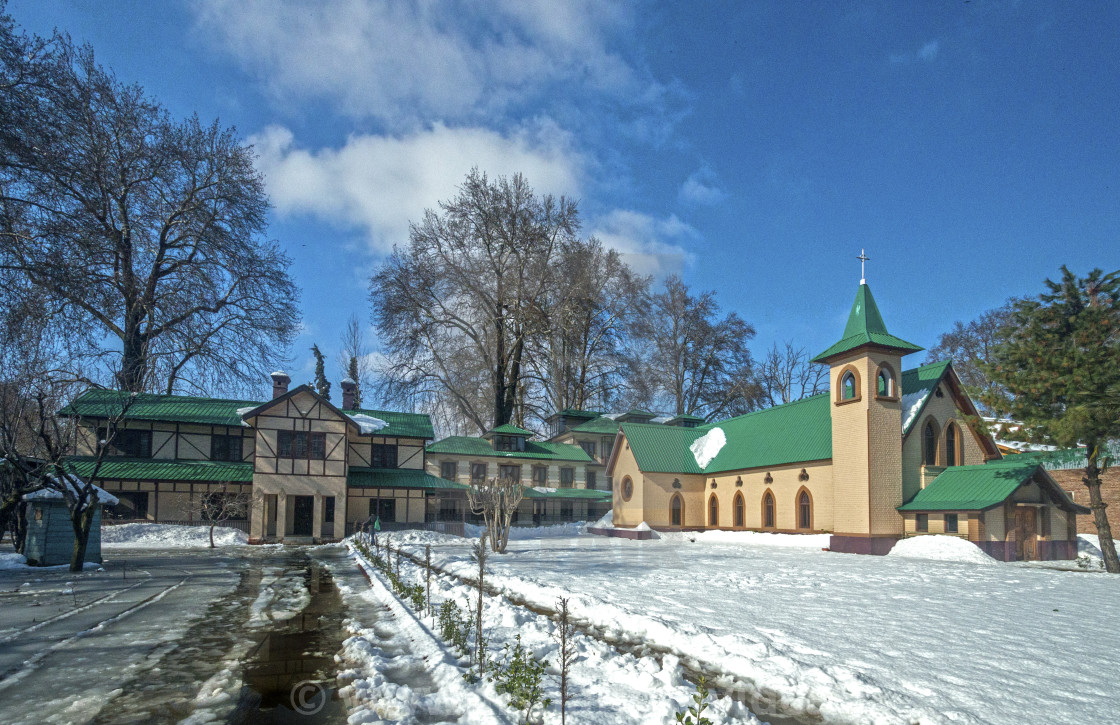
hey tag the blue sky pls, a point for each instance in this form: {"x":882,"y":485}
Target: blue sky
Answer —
{"x":754,"y":148}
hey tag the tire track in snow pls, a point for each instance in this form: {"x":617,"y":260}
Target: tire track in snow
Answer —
{"x":100,"y":600}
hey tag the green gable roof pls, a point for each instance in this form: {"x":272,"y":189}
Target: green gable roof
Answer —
{"x":397,"y":478}
{"x":154,"y":469}
{"x":98,"y":403}
{"x":975,"y":488}
{"x":471,"y":446}
{"x":509,"y":430}
{"x":662,"y":448}
{"x":602,"y":425}
{"x":790,"y":433}
{"x":577,"y":413}
{"x":866,"y":327}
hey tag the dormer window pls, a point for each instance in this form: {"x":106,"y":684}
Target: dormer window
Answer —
{"x":509,"y":443}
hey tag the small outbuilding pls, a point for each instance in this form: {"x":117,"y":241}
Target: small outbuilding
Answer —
{"x":49,"y":540}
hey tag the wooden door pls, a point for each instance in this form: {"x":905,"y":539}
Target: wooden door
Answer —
{"x":303,"y":517}
{"x":1026,"y":533}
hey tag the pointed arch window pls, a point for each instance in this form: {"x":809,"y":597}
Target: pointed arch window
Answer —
{"x":768,"y":517}
{"x":848,"y":387}
{"x":929,"y":443}
{"x":952,"y":445}
{"x":739,"y":511}
{"x":885,"y":383}
{"x":713,"y":510}
{"x":676,"y":510}
{"x":804,"y":510}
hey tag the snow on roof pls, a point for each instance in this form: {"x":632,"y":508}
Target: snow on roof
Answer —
{"x":279,"y":372}
{"x":53,"y":494}
{"x":242,"y":411}
{"x":1024,"y":446}
{"x":367,"y":423}
{"x":911,"y":404}
{"x":707,"y":446}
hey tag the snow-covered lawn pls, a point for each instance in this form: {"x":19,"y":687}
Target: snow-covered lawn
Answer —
{"x":842,"y":638}
{"x":167,"y":536}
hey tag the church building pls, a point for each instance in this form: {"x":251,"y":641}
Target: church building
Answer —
{"x":887,"y":453}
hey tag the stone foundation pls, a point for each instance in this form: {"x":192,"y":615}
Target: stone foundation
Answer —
{"x":873,"y":545}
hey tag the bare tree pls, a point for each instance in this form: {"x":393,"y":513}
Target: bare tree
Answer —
{"x":971,"y":347}
{"x":578,"y":360}
{"x":459,"y":305}
{"x":565,"y":633}
{"x":786,"y":375}
{"x":354,"y":360}
{"x":135,"y":226}
{"x":694,"y":362}
{"x":496,"y":501}
{"x":216,"y":507}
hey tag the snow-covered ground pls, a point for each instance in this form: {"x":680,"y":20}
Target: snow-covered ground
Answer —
{"x":167,"y":536}
{"x":831,"y":637}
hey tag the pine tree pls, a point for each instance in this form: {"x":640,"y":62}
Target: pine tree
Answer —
{"x":352,"y":371}
{"x":322,"y":385}
{"x":1059,"y":361}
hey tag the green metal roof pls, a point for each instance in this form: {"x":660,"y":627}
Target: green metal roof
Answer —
{"x":154,"y":469}
{"x":684,"y":416}
{"x":577,"y":413}
{"x":471,"y":446}
{"x":397,"y":478}
{"x":99,"y":403}
{"x":587,"y":494}
{"x":790,"y":433}
{"x":917,"y":385}
{"x":509,"y":430}
{"x":865,"y":326}
{"x":602,"y":425}
{"x":979,"y":487}
{"x":662,"y":448}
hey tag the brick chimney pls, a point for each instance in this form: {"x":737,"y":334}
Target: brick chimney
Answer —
{"x":280,"y":382}
{"x":348,"y":389}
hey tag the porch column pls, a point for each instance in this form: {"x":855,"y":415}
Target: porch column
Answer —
{"x":258,"y":514}
{"x":317,"y":517}
{"x":281,"y":515}
{"x":340,"y":515}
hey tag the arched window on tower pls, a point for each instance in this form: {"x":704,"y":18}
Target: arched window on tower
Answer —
{"x":848,"y":386}
{"x":713,"y":510}
{"x":885,"y":383}
{"x":740,"y":513}
{"x":929,"y":444}
{"x":952,"y":447}
{"x":768,"y":510}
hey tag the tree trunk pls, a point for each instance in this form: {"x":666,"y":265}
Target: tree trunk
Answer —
{"x":82,"y":521}
{"x":1092,"y":481}
{"x":21,"y":528}
{"x":133,"y":360}
{"x":211,"y":536}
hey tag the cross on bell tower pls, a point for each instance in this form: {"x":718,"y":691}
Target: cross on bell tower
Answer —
{"x":863,"y":260}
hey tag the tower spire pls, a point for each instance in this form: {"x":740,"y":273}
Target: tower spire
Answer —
{"x":863,"y":260}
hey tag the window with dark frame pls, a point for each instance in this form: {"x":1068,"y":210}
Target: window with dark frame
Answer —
{"x":328,"y":509}
{"x":588,"y":447}
{"x":921,"y":522}
{"x":768,"y":510}
{"x":804,"y":511}
{"x":951,"y":445}
{"x":478,"y":472}
{"x":740,"y":511}
{"x":383,"y":456}
{"x":128,"y":443}
{"x":540,"y":475}
{"x":930,"y":437}
{"x":301,"y":444}
{"x":592,"y":480}
{"x":606,"y":446}
{"x":225,"y":448}
{"x":567,"y":477}
{"x":950,"y":523}
{"x":448,"y":470}
{"x":509,"y":473}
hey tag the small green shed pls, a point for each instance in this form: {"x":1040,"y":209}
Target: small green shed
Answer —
{"x":49,"y":540}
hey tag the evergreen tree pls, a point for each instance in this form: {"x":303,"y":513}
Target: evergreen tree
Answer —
{"x":322,"y":385}
{"x":353,"y":372}
{"x":1059,"y":362}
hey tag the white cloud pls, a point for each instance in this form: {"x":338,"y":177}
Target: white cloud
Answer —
{"x":404,"y":62}
{"x":927,"y":53}
{"x":648,"y":244}
{"x":700,"y":188}
{"x":381,"y":183}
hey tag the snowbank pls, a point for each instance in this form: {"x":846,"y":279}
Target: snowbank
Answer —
{"x":12,"y":560}
{"x":167,"y":536}
{"x":367,"y":423}
{"x":941,"y":548}
{"x":1089,"y":554}
{"x":707,"y":446}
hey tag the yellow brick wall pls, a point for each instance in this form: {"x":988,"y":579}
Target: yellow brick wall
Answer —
{"x":785,"y":486}
{"x":658,"y":491}
{"x":942,"y":410}
{"x":632,"y":512}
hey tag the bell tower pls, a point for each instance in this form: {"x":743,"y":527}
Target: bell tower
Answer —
{"x":865,"y":374}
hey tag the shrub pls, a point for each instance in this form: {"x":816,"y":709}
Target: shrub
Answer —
{"x":520,"y":676}
{"x":694,"y":714}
